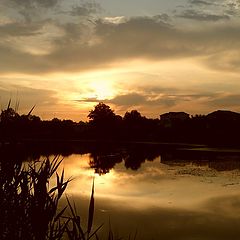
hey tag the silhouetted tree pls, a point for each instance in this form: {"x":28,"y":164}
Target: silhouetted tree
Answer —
{"x":104,"y":163}
{"x":104,"y":121}
{"x":136,"y":126}
{"x":8,"y":124}
{"x":102,"y":113}
{"x":8,"y":115}
{"x":132,"y":117}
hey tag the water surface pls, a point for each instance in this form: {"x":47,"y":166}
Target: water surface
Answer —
{"x":161,"y":197}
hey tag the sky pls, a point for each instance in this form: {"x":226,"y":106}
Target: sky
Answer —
{"x":155,"y":56}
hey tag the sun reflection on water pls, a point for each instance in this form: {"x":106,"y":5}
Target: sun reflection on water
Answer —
{"x":160,"y":200}
{"x":153,"y":185}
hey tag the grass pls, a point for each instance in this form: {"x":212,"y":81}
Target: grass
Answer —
{"x":30,"y":208}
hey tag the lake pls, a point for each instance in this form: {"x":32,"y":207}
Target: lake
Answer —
{"x":187,"y":194}
{"x":155,"y":192}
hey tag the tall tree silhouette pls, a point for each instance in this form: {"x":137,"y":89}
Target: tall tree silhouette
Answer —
{"x":8,"y":115}
{"x":135,"y":125}
{"x":133,"y":117}
{"x":103,"y":121}
{"x":102,"y":113}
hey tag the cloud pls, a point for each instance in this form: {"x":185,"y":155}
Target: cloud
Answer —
{"x":132,"y":99}
{"x":115,"y":20}
{"x":19,"y":29}
{"x":85,"y":9}
{"x":167,"y":98}
{"x":90,"y":100}
{"x":147,"y":95}
{"x":235,"y":4}
{"x":213,"y":11}
{"x":29,"y":10}
{"x":35,"y":3}
{"x":135,"y":100}
{"x":58,"y":10}
{"x":226,"y":100}
{"x":202,"y":16}
{"x":150,"y":101}
{"x":227,"y":60}
{"x":18,"y":61}
{"x":139,"y":37}
{"x":200,"y":2}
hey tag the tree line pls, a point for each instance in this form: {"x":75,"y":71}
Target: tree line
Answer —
{"x":216,"y":128}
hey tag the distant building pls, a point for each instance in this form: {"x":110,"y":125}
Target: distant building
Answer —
{"x":175,"y":116}
{"x":169,"y":118}
{"x":223,"y":115}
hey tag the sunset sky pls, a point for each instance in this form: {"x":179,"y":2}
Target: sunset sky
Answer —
{"x":155,"y":56}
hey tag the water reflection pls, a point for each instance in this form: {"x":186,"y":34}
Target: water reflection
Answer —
{"x":103,"y":163}
{"x":154,"y":184}
{"x":104,"y":156}
{"x":165,"y":193}
{"x":175,"y":201}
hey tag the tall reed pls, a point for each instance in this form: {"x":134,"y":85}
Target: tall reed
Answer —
{"x":29,"y":208}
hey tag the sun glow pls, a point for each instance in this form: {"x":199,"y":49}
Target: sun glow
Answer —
{"x":102,"y":90}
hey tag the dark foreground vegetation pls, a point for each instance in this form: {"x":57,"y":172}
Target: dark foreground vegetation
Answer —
{"x":30,"y":209}
{"x":217,"y":128}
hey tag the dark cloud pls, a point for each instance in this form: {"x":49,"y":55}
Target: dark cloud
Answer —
{"x":231,"y":100}
{"x":201,"y":2}
{"x":167,"y":100}
{"x":205,"y":10}
{"x":35,"y":3}
{"x":202,"y":16}
{"x":232,"y":8}
{"x":156,"y":90}
{"x":164,"y":18}
{"x":85,"y":9}
{"x":142,"y":37}
{"x":13,"y":60}
{"x":147,"y":95}
{"x":139,"y":99}
{"x":132,"y":99}
{"x":30,"y":10}
{"x":73,"y":34}
{"x":58,"y":10}
{"x":136,"y":38}
{"x":233,"y":4}
{"x":19,"y":29}
{"x":90,"y":100}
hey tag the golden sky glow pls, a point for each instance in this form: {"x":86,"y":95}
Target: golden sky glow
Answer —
{"x":66,"y":56}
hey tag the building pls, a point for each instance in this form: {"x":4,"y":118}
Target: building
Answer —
{"x":169,"y":118}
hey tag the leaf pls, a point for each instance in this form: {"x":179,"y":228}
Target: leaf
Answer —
{"x":91,"y":211}
{"x":60,"y":214}
{"x":94,"y":233}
